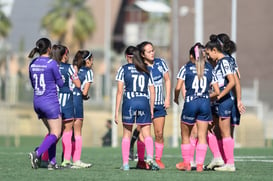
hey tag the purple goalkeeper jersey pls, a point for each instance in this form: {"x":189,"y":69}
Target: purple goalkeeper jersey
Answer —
{"x":45,"y":76}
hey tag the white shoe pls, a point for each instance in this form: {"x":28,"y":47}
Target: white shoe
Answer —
{"x":80,"y":164}
{"x":193,"y":164}
{"x":226,"y":168}
{"x":215,"y":162}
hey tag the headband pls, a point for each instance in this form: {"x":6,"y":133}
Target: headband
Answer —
{"x":88,"y":56}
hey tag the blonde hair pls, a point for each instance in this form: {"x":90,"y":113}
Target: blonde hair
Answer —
{"x":200,"y":58}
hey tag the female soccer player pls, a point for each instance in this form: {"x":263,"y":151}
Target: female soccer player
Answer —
{"x":197,"y":76}
{"x":135,"y":80}
{"x":69,"y":75}
{"x":223,"y":105}
{"x":160,"y":73}
{"x":45,"y":76}
{"x":238,"y":108}
{"x":83,"y":62}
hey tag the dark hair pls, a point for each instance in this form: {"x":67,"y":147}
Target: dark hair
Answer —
{"x":42,"y":46}
{"x":142,"y":45}
{"x":80,"y":58}
{"x":139,"y":63}
{"x":129,"y":50}
{"x":192,"y":52}
{"x":214,"y":42}
{"x":228,"y":45}
{"x":58,"y":51}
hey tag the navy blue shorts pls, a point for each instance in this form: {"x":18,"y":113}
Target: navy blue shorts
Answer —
{"x":67,"y":107}
{"x":223,"y":107}
{"x":159,"y":111}
{"x":78,"y":106}
{"x":197,"y":109}
{"x":136,"y":110}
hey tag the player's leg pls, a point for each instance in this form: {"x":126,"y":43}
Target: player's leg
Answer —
{"x":125,"y":145}
{"x":158,"y":124}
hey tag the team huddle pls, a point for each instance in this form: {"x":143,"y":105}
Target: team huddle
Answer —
{"x":210,"y":87}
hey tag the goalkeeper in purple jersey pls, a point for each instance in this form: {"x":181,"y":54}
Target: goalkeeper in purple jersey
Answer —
{"x":45,"y":76}
{"x":134,"y":85}
{"x":197,"y":76}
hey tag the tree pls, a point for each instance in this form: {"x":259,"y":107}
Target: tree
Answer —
{"x":5,"y":24}
{"x":70,"y":22}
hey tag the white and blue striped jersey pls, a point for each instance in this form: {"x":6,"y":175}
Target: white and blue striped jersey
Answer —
{"x":194,"y":86}
{"x":68,"y":74}
{"x":86,"y":76}
{"x":136,"y":84}
{"x":222,"y":69}
{"x":158,"y":69}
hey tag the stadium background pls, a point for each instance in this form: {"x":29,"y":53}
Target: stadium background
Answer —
{"x":120,"y":27}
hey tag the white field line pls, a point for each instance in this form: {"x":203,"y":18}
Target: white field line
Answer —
{"x":246,"y":158}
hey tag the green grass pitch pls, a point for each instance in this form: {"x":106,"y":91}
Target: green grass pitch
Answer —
{"x":251,"y":164}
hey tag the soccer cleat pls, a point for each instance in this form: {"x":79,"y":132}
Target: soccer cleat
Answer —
{"x":133,"y":157}
{"x":183,"y":166}
{"x":44,"y":164}
{"x":80,"y":164}
{"x":53,"y":167}
{"x":66,"y":164}
{"x":125,"y":167}
{"x":160,"y":164}
{"x":142,"y":165}
{"x":152,"y":165}
{"x":226,"y":168}
{"x":193,"y":165}
{"x":199,"y":167}
{"x":215,"y":162}
{"x":33,"y":160}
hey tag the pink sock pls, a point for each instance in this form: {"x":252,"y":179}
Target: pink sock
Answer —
{"x":193,"y":142}
{"x":125,"y":149}
{"x":140,"y":150}
{"x":220,"y":145}
{"x":201,"y":150}
{"x":158,"y":150}
{"x":213,"y":145}
{"x":149,"y":144}
{"x":185,"y":152}
{"x":78,"y":148}
{"x":67,"y":145}
{"x":45,"y":156}
{"x":228,"y":146}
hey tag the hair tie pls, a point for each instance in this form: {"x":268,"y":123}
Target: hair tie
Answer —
{"x":196,"y":51}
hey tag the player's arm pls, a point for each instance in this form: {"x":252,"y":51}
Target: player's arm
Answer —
{"x":152,"y":99}
{"x":230,"y":85}
{"x":216,"y":90}
{"x":168,"y":90}
{"x":238,"y":92}
{"x":118,"y":99}
{"x":177,"y":90}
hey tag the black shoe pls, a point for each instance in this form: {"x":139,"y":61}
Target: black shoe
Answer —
{"x":131,"y":155}
{"x":33,"y":160}
{"x":39,"y":158}
{"x":54,"y":167}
